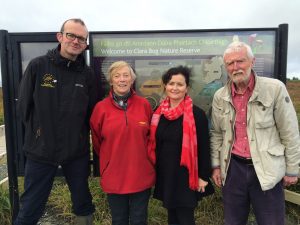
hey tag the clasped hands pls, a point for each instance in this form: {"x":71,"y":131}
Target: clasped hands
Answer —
{"x":202,"y":185}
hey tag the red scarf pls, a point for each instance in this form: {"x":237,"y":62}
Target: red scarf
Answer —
{"x":189,"y":156}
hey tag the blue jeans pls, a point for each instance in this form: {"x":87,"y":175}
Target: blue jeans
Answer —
{"x":38,"y":183}
{"x":242,"y":188}
{"x":129,"y":208}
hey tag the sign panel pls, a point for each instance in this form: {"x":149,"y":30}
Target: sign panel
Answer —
{"x":153,"y":53}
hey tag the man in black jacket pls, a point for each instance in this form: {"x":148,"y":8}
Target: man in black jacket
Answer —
{"x":57,"y":94}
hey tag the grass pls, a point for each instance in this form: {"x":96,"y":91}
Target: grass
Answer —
{"x":5,"y":208}
{"x":209,"y":211}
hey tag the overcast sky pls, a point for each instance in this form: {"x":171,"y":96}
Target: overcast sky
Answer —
{"x":123,"y":15}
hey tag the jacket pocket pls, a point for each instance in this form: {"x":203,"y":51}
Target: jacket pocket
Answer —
{"x":267,"y":135}
{"x":277,"y":150}
{"x":264,"y":114}
{"x":265,"y":124}
{"x":273,"y":160}
{"x":32,"y":133}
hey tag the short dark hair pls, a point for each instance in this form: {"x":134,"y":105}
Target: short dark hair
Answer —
{"x":183,"y":70}
{"x":75,"y":20}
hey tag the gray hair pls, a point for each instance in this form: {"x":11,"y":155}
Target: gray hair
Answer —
{"x":237,"y":46}
{"x":118,"y":65}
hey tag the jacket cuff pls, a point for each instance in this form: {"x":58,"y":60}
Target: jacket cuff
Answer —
{"x":292,"y":171}
{"x":215,"y":163}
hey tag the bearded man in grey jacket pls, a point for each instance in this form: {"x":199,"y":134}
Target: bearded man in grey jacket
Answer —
{"x":255,"y":144}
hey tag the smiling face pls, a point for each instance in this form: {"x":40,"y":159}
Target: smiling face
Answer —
{"x":70,"y":49}
{"x":239,"y":65}
{"x":121,"y":80}
{"x":176,"y":89}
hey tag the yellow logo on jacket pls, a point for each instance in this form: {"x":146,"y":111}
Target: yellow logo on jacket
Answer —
{"x":143,"y":123}
{"x":48,"y":81}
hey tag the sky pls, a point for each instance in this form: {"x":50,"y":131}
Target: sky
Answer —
{"x":134,"y":15}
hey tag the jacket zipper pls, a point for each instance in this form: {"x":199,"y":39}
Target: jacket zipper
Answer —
{"x":38,"y":133}
{"x":125,"y":116}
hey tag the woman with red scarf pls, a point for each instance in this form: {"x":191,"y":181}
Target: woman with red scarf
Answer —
{"x":179,"y":148}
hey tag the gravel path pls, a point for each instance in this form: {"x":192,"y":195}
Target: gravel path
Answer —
{"x":50,"y":218}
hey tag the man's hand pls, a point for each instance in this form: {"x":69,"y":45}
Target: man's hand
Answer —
{"x":216,"y":176}
{"x":287,"y":180}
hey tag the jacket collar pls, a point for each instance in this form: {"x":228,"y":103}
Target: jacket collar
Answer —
{"x":58,"y":59}
{"x":259,"y":94}
{"x":128,"y":101}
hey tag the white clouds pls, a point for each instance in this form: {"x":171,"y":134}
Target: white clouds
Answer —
{"x":118,"y":15}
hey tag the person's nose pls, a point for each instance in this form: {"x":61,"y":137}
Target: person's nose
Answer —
{"x":76,"y":40}
{"x":122,"y":78}
{"x":235,"y":66}
{"x":175,"y":87}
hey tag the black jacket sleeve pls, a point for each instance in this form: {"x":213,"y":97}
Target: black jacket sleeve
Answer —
{"x":25,"y":101}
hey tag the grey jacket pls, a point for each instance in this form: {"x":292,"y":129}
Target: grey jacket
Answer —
{"x":272,"y":130}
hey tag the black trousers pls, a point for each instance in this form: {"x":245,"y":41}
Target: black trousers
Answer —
{"x":242,"y":189}
{"x":38,"y":183}
{"x":129,"y":208}
{"x":181,"y":215}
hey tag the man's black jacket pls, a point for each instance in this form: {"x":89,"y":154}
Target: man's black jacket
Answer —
{"x":56,"y":98}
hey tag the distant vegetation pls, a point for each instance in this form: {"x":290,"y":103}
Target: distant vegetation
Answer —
{"x":294,"y":78}
{"x":293,"y":87}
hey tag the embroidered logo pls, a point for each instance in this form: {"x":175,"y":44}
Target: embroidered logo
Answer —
{"x":48,"y":81}
{"x":143,"y":123}
{"x":79,"y":85}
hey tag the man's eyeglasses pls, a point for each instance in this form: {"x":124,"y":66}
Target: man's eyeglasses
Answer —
{"x":72,"y":37}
